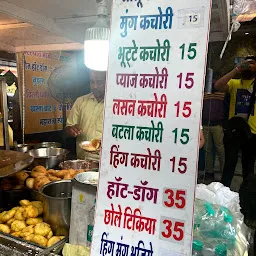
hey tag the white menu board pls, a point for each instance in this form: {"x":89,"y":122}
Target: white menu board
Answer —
{"x":151,"y":130}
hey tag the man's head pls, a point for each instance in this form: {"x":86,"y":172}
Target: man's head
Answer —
{"x":97,"y":82}
{"x":251,"y":60}
{"x":250,"y":71}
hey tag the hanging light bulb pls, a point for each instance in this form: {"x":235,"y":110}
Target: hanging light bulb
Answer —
{"x":96,"y":43}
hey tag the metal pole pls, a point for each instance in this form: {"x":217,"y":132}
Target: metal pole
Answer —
{"x":64,"y":115}
{"x":23,"y":99}
{"x":4,"y":111}
{"x":20,"y":58}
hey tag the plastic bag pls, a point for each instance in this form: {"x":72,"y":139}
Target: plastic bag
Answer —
{"x":217,"y":193}
{"x":244,"y":10}
{"x":218,"y":222}
{"x":78,"y":250}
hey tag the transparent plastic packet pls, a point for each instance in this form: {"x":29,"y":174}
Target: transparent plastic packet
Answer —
{"x":244,"y":6}
{"x":217,"y":226}
{"x":244,"y":10}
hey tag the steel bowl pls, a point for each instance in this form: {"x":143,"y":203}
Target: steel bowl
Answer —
{"x":79,"y":164}
{"x":48,"y":145}
{"x":24,"y":148}
{"x":91,"y":178}
{"x":48,"y":157}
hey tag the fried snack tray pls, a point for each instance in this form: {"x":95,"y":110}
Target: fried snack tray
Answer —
{"x":17,"y":247}
{"x":13,"y":161}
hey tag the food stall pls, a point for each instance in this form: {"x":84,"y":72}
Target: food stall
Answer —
{"x":35,"y":184}
{"x":55,"y":199}
{"x":35,"y":202}
{"x":35,"y":192}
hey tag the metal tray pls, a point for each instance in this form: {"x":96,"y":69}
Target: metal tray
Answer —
{"x":17,"y":247}
{"x":13,"y":161}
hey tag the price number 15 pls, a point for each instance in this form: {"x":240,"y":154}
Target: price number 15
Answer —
{"x":193,"y":19}
{"x":181,"y":135}
{"x":189,"y":51}
{"x":186,"y":81}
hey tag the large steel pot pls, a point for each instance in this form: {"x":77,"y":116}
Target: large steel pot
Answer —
{"x":57,"y":205}
{"x":48,"y":157}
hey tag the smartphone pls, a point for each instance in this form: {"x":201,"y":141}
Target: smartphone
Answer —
{"x":245,"y":65}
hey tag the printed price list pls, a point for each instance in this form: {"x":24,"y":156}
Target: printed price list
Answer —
{"x":151,"y":128}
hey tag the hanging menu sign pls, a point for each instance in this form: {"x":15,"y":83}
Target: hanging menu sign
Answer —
{"x":151,"y":129}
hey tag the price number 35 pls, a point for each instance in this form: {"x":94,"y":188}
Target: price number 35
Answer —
{"x":172,"y":230}
{"x":174,"y":198}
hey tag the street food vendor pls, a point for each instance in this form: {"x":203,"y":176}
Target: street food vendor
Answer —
{"x":85,"y":120}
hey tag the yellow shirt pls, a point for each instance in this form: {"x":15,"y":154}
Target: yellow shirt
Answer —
{"x":87,"y":113}
{"x":240,"y":94}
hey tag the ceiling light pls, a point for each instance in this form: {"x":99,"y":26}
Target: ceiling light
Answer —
{"x":247,"y":33}
{"x":96,"y":43}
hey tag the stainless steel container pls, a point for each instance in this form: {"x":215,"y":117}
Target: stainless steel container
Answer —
{"x":57,"y":205}
{"x":48,"y":145}
{"x":83,"y":197}
{"x":24,"y":148}
{"x":48,"y":157}
{"x":79,"y":164}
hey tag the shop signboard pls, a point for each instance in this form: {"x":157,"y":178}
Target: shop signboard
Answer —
{"x":43,"y":113}
{"x":150,"y":142}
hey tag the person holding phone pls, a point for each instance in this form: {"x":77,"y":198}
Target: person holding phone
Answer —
{"x":241,"y":128}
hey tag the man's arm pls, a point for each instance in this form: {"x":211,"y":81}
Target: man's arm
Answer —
{"x":72,"y":128}
{"x":201,"y":142}
{"x":222,"y":83}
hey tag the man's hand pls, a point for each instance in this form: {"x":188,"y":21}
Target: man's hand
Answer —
{"x":201,"y":142}
{"x":73,"y":131}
